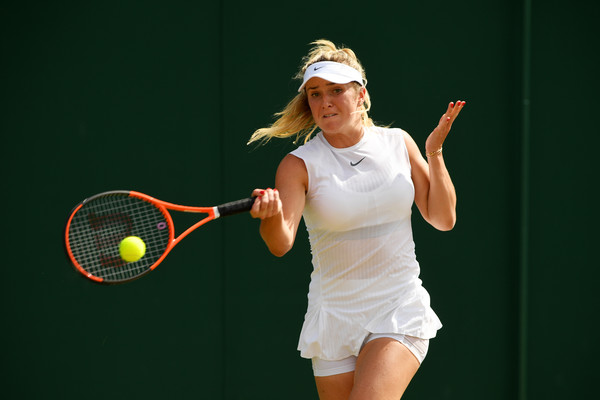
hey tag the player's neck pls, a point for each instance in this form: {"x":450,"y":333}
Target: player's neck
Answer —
{"x":347,"y":138}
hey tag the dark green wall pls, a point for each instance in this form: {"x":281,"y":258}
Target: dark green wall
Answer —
{"x":162,"y":99}
{"x":563,"y":325}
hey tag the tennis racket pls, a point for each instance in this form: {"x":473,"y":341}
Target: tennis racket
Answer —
{"x":99,"y":223}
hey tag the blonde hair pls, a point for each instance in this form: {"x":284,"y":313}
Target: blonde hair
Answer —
{"x":296,"y":118}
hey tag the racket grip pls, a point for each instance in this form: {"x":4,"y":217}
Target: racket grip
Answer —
{"x":235,"y":207}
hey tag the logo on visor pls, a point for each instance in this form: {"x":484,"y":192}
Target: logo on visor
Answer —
{"x":316,"y":68}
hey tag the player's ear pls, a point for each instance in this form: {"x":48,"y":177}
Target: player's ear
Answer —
{"x":361,"y":95}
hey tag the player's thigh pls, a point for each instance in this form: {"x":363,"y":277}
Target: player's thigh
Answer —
{"x":384,"y":369}
{"x":335,"y":387}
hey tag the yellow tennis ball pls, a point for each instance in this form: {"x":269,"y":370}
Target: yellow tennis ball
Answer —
{"x":132,"y":248}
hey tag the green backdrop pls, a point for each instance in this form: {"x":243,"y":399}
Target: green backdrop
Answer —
{"x":162,"y":99}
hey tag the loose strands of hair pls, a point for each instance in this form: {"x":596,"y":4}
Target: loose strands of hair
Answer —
{"x":294,"y":120}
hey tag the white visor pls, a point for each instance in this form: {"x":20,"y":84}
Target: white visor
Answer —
{"x":333,"y":72}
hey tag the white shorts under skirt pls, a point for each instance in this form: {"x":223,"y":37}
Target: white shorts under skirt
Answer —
{"x":416,"y":346}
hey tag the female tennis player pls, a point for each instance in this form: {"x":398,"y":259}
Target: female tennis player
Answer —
{"x":369,"y":320}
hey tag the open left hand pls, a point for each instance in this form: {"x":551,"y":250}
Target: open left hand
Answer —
{"x":436,"y":138}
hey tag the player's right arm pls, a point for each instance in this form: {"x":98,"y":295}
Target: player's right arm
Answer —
{"x":280,"y":209}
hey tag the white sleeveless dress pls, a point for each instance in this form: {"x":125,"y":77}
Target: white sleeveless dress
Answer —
{"x":366,"y":276}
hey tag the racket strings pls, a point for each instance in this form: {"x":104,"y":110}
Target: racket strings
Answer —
{"x":100,"y":225}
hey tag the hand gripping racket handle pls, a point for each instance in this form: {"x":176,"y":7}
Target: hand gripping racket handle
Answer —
{"x":235,"y":207}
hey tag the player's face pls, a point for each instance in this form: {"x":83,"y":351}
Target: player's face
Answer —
{"x":335,"y":107}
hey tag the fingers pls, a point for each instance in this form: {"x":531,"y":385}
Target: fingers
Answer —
{"x":436,"y":138}
{"x":267,"y":203}
{"x":451,"y":113}
{"x":454,"y":109}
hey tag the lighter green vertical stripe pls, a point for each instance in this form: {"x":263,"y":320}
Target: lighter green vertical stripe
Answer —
{"x":525,"y":200}
{"x":223,"y":195}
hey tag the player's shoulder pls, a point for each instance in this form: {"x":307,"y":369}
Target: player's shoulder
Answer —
{"x":292,"y":169}
{"x":388,"y":131}
{"x":312,"y":148}
{"x":391,"y":135}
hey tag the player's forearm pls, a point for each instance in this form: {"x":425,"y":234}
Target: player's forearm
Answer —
{"x":277,"y":235}
{"x":441,"y":202}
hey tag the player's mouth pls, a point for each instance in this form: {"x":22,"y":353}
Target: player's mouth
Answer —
{"x":329,"y":115}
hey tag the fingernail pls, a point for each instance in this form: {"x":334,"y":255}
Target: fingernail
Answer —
{"x":262,"y":192}
{"x":275,"y":190}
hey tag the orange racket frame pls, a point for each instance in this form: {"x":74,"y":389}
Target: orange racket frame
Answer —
{"x":164,"y":207}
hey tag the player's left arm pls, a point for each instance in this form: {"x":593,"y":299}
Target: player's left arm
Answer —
{"x":435,"y":195}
